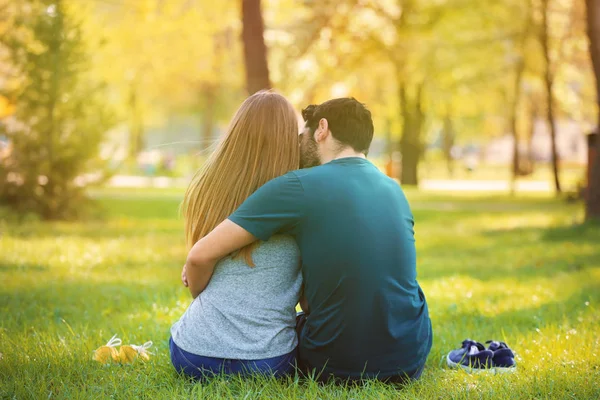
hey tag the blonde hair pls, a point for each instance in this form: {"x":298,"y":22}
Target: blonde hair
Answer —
{"x":260,"y":144}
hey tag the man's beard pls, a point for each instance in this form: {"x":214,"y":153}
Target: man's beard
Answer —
{"x":309,"y":153}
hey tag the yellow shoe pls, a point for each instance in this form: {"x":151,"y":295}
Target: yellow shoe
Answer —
{"x":128,"y":353}
{"x":104,"y":354}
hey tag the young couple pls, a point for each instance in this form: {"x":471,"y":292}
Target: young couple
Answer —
{"x":336,"y":235}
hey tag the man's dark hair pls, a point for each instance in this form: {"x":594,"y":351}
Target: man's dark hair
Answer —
{"x":349,"y":121}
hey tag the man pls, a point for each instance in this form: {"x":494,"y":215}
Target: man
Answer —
{"x":367,"y":316}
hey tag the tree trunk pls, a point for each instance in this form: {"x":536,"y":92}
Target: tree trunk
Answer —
{"x":255,"y":50}
{"x":448,"y":143}
{"x":410,"y":163}
{"x":592,"y":209}
{"x":51,"y":204}
{"x":549,"y":83}
{"x":389,"y":149}
{"x":516,"y":165}
{"x":410,"y":143}
{"x":208,"y":116}
{"x":209,"y":91}
{"x":530,"y":151}
{"x":136,"y":126}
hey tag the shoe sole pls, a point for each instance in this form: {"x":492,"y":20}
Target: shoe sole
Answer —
{"x":496,"y":370}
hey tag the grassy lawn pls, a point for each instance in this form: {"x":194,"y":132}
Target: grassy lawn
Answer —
{"x":491,"y":267}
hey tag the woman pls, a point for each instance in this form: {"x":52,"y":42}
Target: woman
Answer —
{"x":244,"y":320}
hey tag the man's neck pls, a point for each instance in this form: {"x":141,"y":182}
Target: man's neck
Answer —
{"x":346,"y":153}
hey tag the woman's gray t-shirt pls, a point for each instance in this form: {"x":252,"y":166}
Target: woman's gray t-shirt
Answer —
{"x":246,"y":313}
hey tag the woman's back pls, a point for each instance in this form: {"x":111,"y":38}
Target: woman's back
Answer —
{"x":242,"y":319}
{"x":246,"y":313}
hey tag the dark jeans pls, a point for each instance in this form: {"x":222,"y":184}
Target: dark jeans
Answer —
{"x":402,"y":377}
{"x":200,"y":367}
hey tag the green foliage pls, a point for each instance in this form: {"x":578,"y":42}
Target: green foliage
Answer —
{"x":59,"y":120}
{"x":164,"y":59}
{"x":465,"y":52}
{"x":491,"y":267}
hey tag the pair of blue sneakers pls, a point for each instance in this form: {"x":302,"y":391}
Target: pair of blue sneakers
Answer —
{"x":473,"y":356}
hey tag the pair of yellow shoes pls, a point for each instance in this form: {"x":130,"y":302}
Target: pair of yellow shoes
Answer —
{"x":125,"y":355}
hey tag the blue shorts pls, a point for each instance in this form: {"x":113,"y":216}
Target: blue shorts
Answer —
{"x":200,"y":367}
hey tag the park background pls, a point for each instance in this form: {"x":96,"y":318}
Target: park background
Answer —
{"x":483,"y":112}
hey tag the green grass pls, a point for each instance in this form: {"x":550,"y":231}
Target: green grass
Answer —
{"x":520,"y":270}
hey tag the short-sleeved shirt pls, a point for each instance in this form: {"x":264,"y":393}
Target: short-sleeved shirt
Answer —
{"x":246,"y":313}
{"x":354,"y":227}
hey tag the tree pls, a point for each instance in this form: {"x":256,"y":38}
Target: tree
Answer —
{"x":593,"y":29}
{"x":407,"y":20}
{"x":59,"y":120}
{"x":482,"y":60}
{"x":549,"y":83}
{"x":169,"y":61}
{"x":513,"y":104}
{"x":255,"y":50}
{"x":428,"y":37}
{"x":212,"y":91}
{"x":413,"y":118}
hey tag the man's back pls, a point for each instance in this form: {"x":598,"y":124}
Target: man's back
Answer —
{"x":368,"y":316}
{"x":367,"y":311}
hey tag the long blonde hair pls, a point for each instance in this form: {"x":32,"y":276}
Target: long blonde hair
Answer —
{"x":260,"y":144}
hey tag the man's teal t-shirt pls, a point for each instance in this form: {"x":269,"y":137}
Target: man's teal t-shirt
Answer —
{"x":368,"y":316}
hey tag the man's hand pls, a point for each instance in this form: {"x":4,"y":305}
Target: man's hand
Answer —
{"x":184,"y":276}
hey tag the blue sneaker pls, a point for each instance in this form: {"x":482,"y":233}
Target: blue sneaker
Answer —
{"x":504,"y":358}
{"x":472,"y":356}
